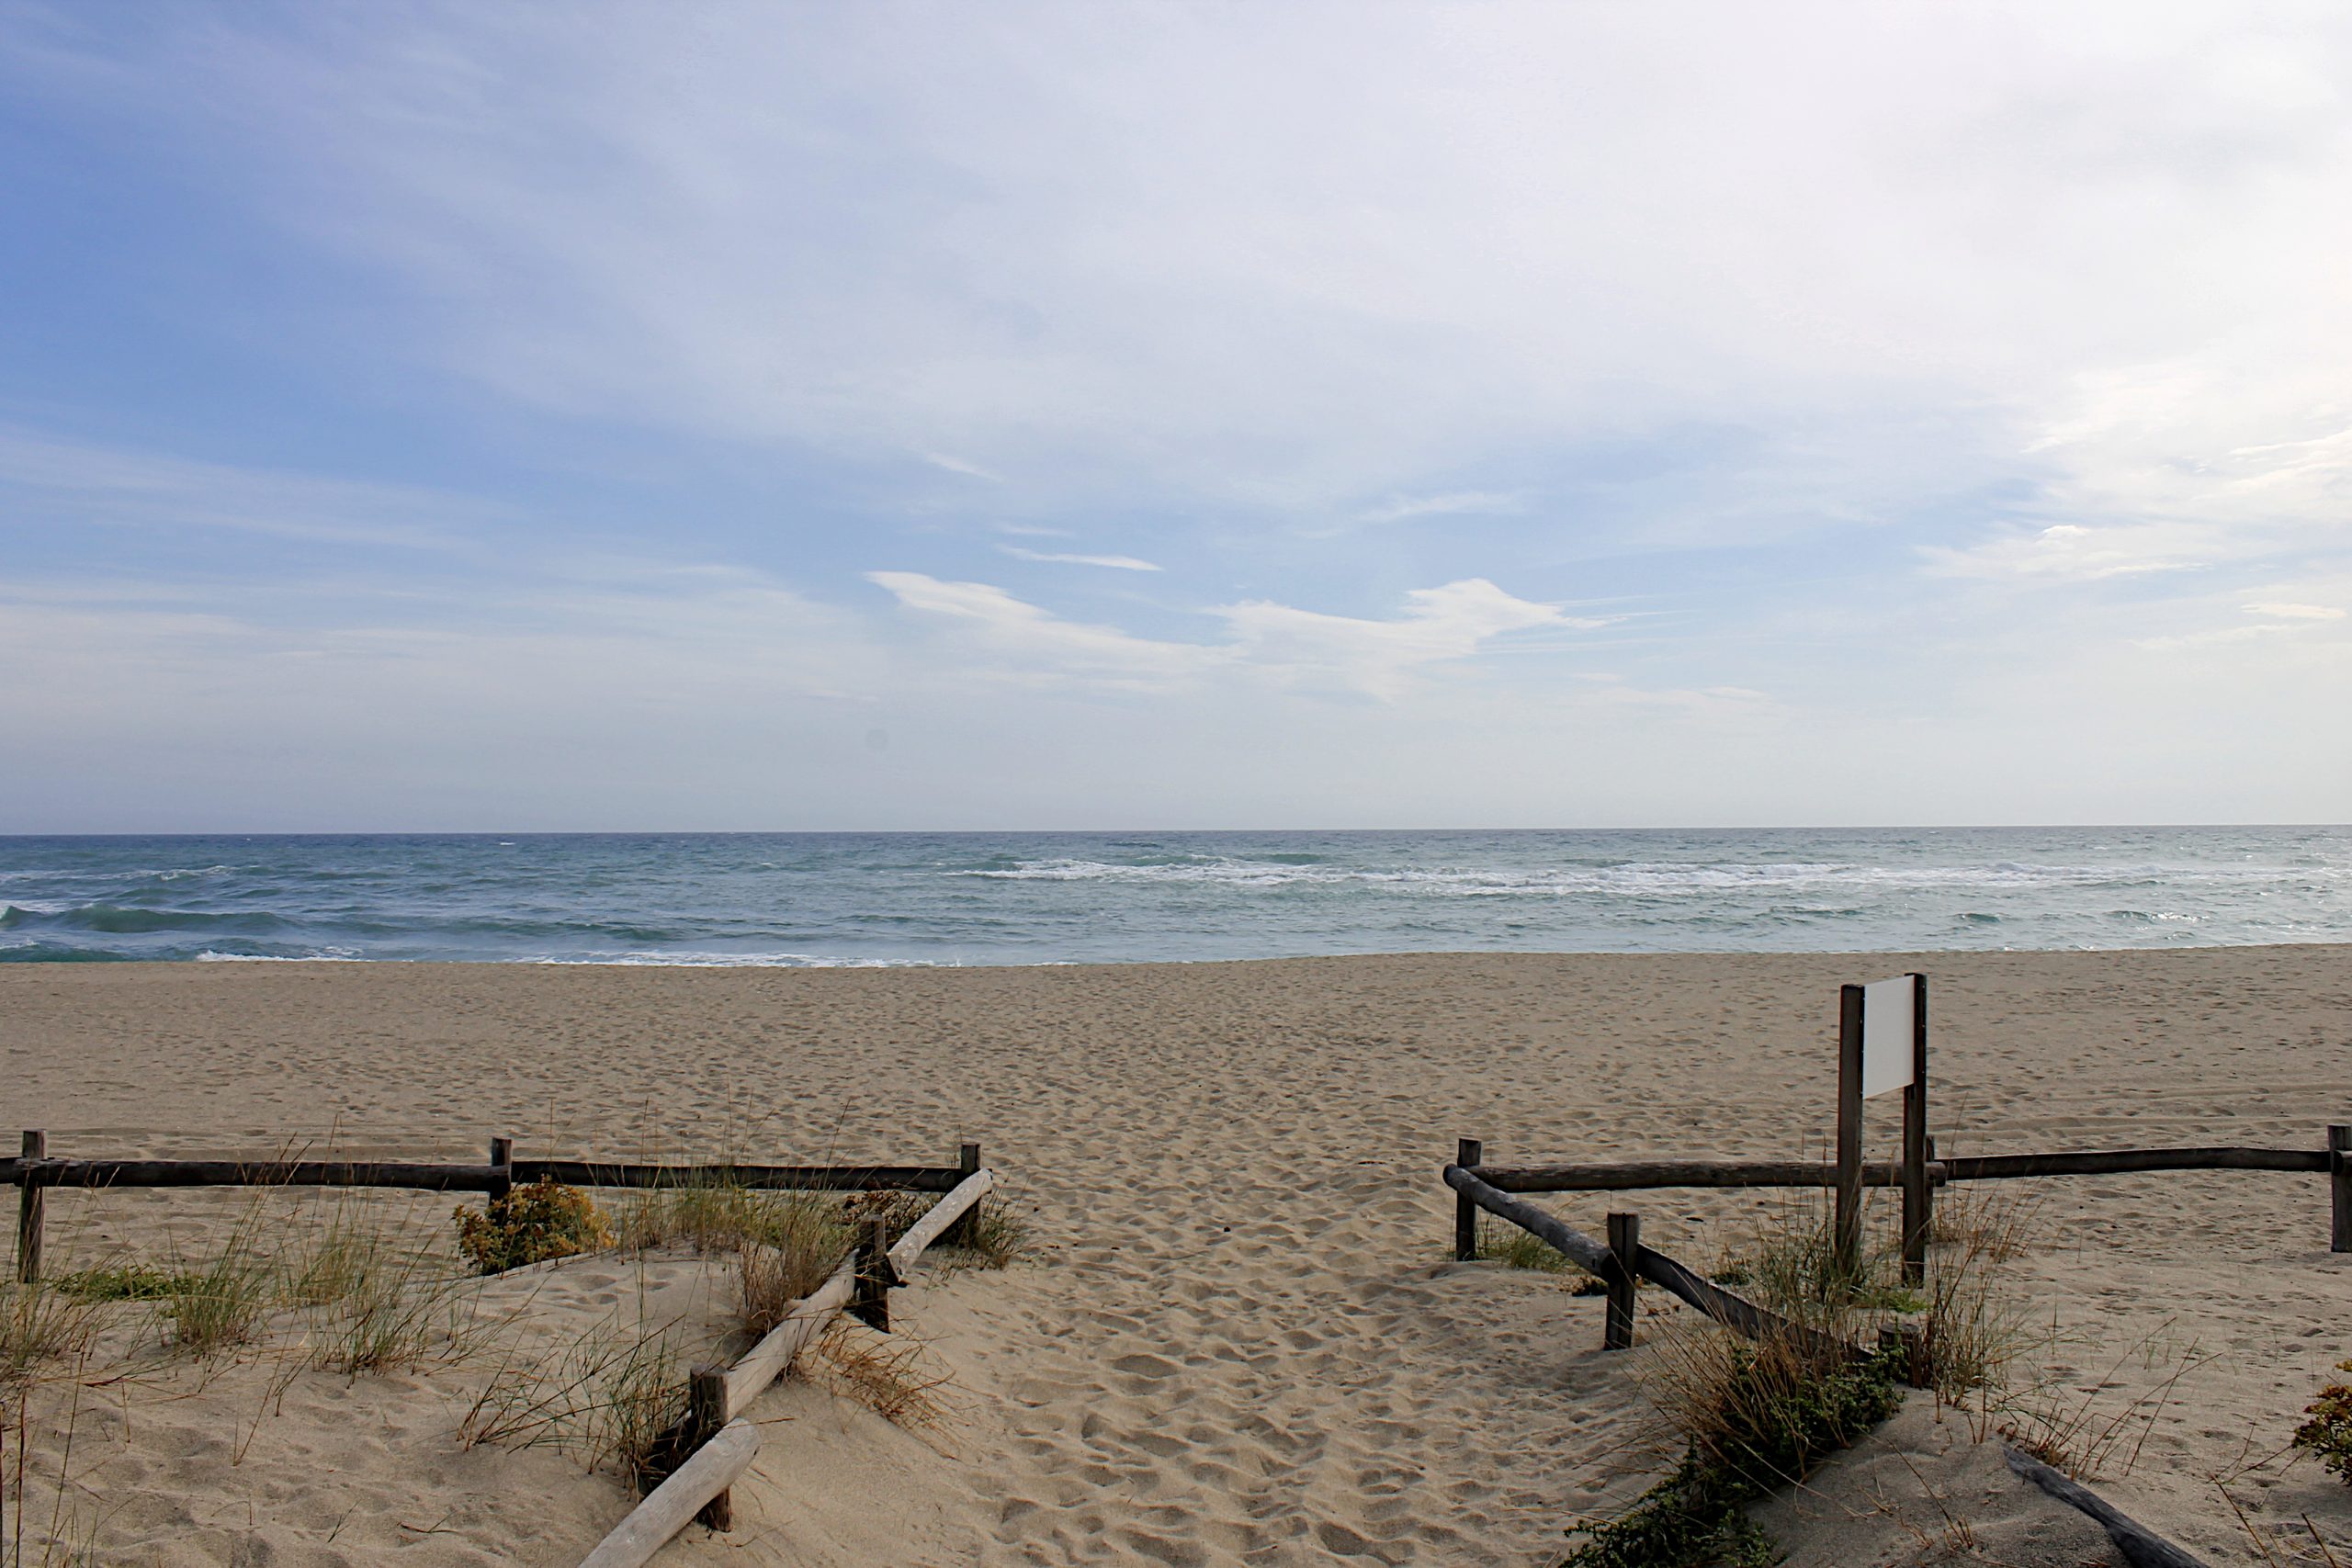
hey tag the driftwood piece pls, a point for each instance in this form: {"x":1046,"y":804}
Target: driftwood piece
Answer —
{"x":950,"y":1213}
{"x":2140,"y":1547}
{"x":668,"y":1507}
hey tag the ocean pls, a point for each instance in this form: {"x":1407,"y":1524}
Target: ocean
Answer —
{"x":949,"y":898}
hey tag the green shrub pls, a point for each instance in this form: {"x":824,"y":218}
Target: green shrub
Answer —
{"x":122,"y":1283}
{"x":1781,"y":1412}
{"x":531,"y":1224}
{"x":2328,"y":1433}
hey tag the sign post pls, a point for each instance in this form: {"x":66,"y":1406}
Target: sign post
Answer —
{"x":1883,"y":1046}
{"x":1846,"y":1238}
{"x":1918,"y":1197}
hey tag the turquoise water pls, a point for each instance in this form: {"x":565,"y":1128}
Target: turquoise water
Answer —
{"x":833,"y":898}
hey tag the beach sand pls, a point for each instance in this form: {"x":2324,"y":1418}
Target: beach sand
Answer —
{"x":1242,"y":1339}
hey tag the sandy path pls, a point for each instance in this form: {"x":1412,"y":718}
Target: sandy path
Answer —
{"x":1245,"y":1344}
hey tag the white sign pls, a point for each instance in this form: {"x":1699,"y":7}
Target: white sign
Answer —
{"x":1886,"y":1034}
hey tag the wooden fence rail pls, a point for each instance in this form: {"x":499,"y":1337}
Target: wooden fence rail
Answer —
{"x":2333,"y":1161}
{"x":36,"y":1170}
{"x":717,"y":1396}
{"x":1618,"y":1268}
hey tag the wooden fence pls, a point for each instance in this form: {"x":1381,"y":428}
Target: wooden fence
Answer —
{"x":1477,"y":1186}
{"x":716,"y":1444}
{"x":35,"y":1171}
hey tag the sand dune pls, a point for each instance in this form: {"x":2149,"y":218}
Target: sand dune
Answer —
{"x":1243,"y":1342}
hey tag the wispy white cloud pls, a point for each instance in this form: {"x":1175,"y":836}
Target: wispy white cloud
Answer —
{"x":1452,"y":503}
{"x":2073,"y":552}
{"x":1377,"y":657}
{"x":1041,"y":645}
{"x":1118,"y":563}
{"x":958,"y":465}
{"x":2298,"y":612}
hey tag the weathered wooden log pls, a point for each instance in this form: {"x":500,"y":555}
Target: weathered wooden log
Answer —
{"x":2119,"y":1162}
{"x":948,"y":1214}
{"x":776,"y":1177}
{"x":665,"y":1510}
{"x":2140,"y":1547}
{"x":1579,"y":1248}
{"x":766,"y":1361}
{"x":31,"y":1210}
{"x":257,"y":1173}
{"x":501,"y":1157}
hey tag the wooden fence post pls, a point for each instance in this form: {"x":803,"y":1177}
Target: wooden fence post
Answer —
{"x":1467,"y":1154}
{"x":1624,"y":1241}
{"x":959,"y":1234}
{"x":31,"y":1204}
{"x":1846,"y":1237}
{"x":870,"y":1304}
{"x":1918,"y":1198}
{"x":2339,"y":1187}
{"x":706,"y":1414}
{"x":502,"y":1156}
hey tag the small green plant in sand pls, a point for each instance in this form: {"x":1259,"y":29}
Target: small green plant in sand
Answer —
{"x":2328,"y":1432}
{"x":1755,"y":1415}
{"x":380,"y":1302}
{"x":218,"y":1305}
{"x":122,"y":1282}
{"x":1501,"y":1242}
{"x":531,"y":1224}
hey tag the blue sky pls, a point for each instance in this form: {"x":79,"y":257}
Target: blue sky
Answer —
{"x":636,"y":416}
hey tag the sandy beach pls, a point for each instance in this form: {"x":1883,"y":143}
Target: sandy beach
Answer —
{"x":1242,"y":1340}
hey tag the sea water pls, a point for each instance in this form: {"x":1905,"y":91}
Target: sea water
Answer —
{"x":881,"y":898}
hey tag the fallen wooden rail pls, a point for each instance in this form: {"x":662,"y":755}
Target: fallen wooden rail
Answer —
{"x":1619,"y":1265}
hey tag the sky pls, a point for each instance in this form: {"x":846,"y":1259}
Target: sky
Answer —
{"x":767,"y":417}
